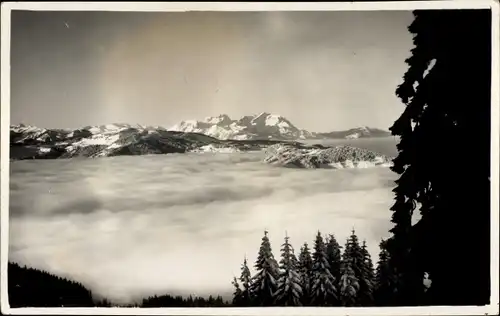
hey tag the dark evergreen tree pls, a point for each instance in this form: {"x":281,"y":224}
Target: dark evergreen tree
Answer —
{"x":246,"y":282}
{"x":305,"y":267}
{"x":384,"y":279}
{"x":264,"y":282}
{"x":189,"y":300}
{"x":289,"y":292}
{"x":323,"y":289}
{"x":366,"y":278}
{"x":447,"y":94}
{"x":355,"y":254}
{"x":349,"y":283}
{"x":237,"y":300}
{"x":334,"y":254}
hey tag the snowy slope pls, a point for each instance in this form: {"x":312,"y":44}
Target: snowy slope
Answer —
{"x":30,"y":142}
{"x":338,"y":157}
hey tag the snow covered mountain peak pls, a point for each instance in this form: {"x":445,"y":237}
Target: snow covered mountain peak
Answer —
{"x":222,"y":119}
{"x":260,"y":126}
{"x":270,"y":120}
{"x":261,"y":116}
{"x":362,"y":131}
{"x":265,"y":126}
{"x":26,"y":128}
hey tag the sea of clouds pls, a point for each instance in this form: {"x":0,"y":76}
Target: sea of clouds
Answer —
{"x":128,"y":227}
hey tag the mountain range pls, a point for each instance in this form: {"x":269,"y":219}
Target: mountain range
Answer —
{"x":31,"y":142}
{"x":214,"y":134}
{"x":266,"y":126}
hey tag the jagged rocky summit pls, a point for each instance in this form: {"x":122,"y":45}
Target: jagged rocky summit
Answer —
{"x":338,"y":157}
{"x":250,"y":127}
{"x":266,"y":126}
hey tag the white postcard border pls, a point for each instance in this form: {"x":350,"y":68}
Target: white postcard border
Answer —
{"x":7,"y":7}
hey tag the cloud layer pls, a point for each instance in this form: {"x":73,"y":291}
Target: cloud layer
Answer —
{"x":133,"y":226}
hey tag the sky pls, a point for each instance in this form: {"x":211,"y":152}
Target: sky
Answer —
{"x":323,"y":71}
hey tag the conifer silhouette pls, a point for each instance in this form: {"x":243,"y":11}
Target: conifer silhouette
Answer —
{"x":246,"y":283}
{"x":289,"y":291}
{"x":264,"y":282}
{"x":446,"y":91}
{"x":323,"y":289}
{"x":305,"y":267}
{"x":355,"y":254}
{"x":384,"y":279}
{"x":349,"y":283}
{"x":334,"y":254}
{"x":237,"y":297}
{"x":367,"y":279}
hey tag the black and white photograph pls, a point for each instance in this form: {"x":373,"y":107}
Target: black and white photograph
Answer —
{"x":232,"y":158}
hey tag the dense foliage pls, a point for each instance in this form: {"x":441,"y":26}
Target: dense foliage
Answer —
{"x":325,"y":277}
{"x":446,"y":92}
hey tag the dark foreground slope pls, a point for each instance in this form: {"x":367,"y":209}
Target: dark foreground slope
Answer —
{"x":29,"y":287}
{"x":34,"y":288}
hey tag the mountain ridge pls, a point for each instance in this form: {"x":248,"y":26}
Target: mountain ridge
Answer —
{"x":31,"y":142}
{"x":267,"y":126}
{"x":214,"y":134}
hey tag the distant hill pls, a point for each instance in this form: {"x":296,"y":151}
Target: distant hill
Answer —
{"x":359,"y":132}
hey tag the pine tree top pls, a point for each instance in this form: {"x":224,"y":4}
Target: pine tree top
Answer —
{"x":245,"y":272}
{"x":305,"y":248}
{"x":319,"y":246}
{"x":265,"y":252}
